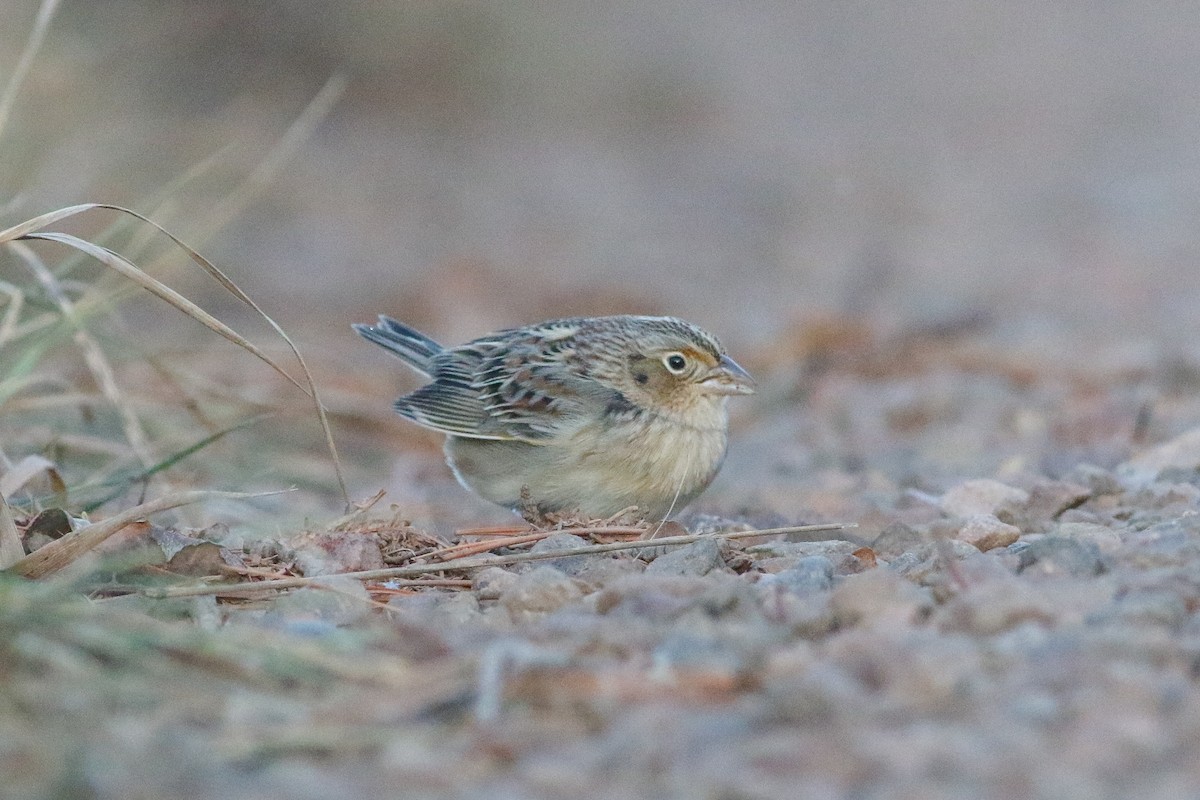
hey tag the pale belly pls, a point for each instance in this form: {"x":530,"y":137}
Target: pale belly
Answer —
{"x":658,"y":468}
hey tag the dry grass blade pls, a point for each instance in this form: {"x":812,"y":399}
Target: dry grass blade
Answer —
{"x":41,"y":221}
{"x":79,"y":400}
{"x":66,"y":550}
{"x":11,"y":550}
{"x":160,"y":290}
{"x":25,"y":62}
{"x":97,"y":364}
{"x":237,"y":292}
{"x":32,"y":229}
{"x":416,"y":570}
{"x":357,"y":513}
{"x":16,"y":302}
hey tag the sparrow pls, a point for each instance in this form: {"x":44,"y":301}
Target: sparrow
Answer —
{"x":585,"y":416}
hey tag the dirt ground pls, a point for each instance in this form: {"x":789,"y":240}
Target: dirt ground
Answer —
{"x":955,"y":244}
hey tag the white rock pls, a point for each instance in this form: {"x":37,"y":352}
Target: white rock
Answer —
{"x":981,"y":496}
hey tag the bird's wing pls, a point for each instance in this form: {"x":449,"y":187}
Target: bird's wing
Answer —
{"x":450,"y":404}
{"x":534,"y":402}
{"x":516,"y":385}
{"x":532,"y":386}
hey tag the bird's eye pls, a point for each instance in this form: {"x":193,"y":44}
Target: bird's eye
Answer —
{"x":675,"y":362}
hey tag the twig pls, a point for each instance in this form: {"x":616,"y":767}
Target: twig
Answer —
{"x":359,"y":511}
{"x":412,"y":570}
{"x":510,"y":531}
{"x":475,"y":548}
{"x":495,"y":530}
{"x":398,"y":586}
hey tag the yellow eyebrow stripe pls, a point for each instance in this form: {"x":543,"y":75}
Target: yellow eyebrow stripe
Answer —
{"x":703,"y":356}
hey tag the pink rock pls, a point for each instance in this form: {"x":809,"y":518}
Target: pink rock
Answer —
{"x":986,"y":532}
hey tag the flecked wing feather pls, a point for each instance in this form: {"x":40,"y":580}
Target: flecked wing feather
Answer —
{"x":522,"y":385}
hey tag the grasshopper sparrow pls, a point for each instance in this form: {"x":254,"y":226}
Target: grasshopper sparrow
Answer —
{"x":589,"y":415}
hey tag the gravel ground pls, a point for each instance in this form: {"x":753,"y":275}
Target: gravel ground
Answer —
{"x":956,"y":245}
{"x":1028,"y":630}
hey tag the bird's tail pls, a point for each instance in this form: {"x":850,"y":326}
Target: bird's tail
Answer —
{"x":413,"y":347}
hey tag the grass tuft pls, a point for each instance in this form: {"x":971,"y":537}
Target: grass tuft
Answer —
{"x":16,"y":238}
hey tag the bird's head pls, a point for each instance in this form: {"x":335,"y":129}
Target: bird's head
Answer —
{"x":670,"y":366}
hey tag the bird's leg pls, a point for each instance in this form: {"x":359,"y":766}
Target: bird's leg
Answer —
{"x":531,"y":511}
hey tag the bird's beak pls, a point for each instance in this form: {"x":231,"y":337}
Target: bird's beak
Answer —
{"x":728,"y":378}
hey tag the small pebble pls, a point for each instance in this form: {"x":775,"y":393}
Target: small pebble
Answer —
{"x":649,"y":597}
{"x":810,"y":574}
{"x":778,"y":556}
{"x":804,"y":615}
{"x":339,"y":601}
{"x":542,"y":590}
{"x":990,"y":607}
{"x":1172,"y":543}
{"x":446,"y":607}
{"x":981,"y":496}
{"x":879,"y":598}
{"x":571,"y":565}
{"x":898,"y":538}
{"x":986,"y":532}
{"x":491,"y":582}
{"x":926,"y":561}
{"x":1106,"y":540}
{"x":1058,"y":555}
{"x":1046,"y":501}
{"x":681,"y":650}
{"x":1181,"y":452}
{"x":1096,"y":479}
{"x":1143,"y":608}
{"x":697,"y":558}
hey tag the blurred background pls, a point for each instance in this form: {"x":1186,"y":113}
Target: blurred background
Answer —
{"x":1029,"y":170}
{"x":738,"y":165}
